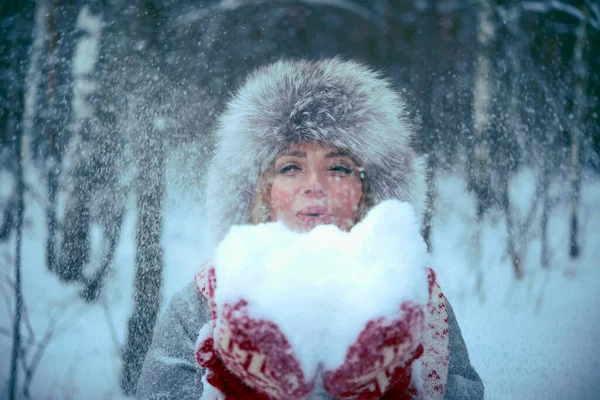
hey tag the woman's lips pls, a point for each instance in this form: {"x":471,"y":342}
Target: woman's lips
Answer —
{"x":312,"y":216}
{"x":314,"y":211}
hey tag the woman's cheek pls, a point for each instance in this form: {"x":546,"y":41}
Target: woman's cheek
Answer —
{"x":281,"y":202}
{"x":348,"y":197}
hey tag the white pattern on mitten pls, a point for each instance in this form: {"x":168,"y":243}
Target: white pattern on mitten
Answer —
{"x":436,"y":356}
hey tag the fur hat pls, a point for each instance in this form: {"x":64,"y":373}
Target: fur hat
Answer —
{"x":340,"y":103}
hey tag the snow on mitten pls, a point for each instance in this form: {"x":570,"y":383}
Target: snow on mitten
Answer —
{"x":253,"y":350}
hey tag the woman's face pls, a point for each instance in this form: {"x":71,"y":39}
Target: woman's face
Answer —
{"x":314,"y":184}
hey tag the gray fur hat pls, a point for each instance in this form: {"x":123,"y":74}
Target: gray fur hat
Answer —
{"x":340,"y":103}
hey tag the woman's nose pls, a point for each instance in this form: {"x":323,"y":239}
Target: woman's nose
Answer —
{"x":314,"y":187}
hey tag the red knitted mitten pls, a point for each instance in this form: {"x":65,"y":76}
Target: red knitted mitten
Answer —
{"x":253,"y":351}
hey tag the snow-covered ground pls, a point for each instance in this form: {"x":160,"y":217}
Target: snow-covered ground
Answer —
{"x":529,"y":339}
{"x":534,"y":338}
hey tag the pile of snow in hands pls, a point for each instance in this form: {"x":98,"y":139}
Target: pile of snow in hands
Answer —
{"x":322,"y":287}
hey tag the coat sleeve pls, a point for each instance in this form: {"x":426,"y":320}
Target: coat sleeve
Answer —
{"x":170,"y":370}
{"x":463,"y":381}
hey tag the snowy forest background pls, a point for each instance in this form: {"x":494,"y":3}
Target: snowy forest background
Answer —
{"x":107,"y":110}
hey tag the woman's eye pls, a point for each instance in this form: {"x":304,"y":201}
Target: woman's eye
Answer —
{"x":342,"y":169}
{"x":288,"y":169}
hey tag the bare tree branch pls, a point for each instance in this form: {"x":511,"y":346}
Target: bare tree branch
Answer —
{"x":37,"y":356}
{"x":526,"y":225}
{"x":111,"y":327}
{"x":595,"y":9}
{"x":544,"y":7}
{"x":232,"y":5}
{"x":60,"y":320}
{"x":8,"y":279}
{"x":5,"y":331}
{"x":65,"y":323}
{"x":25,"y":367}
{"x":8,"y":301}
{"x":453,"y":5}
{"x":28,"y":322}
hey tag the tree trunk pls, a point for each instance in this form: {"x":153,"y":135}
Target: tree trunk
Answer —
{"x":28,"y":101}
{"x":513,"y":121}
{"x":95,"y":284}
{"x":150,"y":188}
{"x":425,"y":83}
{"x":50,"y":131}
{"x":580,"y":105}
{"x":19,"y":33}
{"x":479,"y":163}
{"x":545,"y":188}
{"x":60,"y":18}
{"x":76,"y":242}
{"x":479,"y":171}
{"x":95,"y":174}
{"x":18,"y":291}
{"x":8,"y":218}
{"x":513,"y":253}
{"x":106,"y":140}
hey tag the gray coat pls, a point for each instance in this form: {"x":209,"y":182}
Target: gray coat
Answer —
{"x":170,"y":370}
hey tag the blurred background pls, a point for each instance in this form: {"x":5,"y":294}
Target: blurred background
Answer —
{"x":107,"y":112}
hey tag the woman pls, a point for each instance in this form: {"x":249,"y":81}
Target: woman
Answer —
{"x":306,"y":143}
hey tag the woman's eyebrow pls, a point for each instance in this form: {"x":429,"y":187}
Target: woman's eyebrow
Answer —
{"x":335,"y":154}
{"x":294,"y":154}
